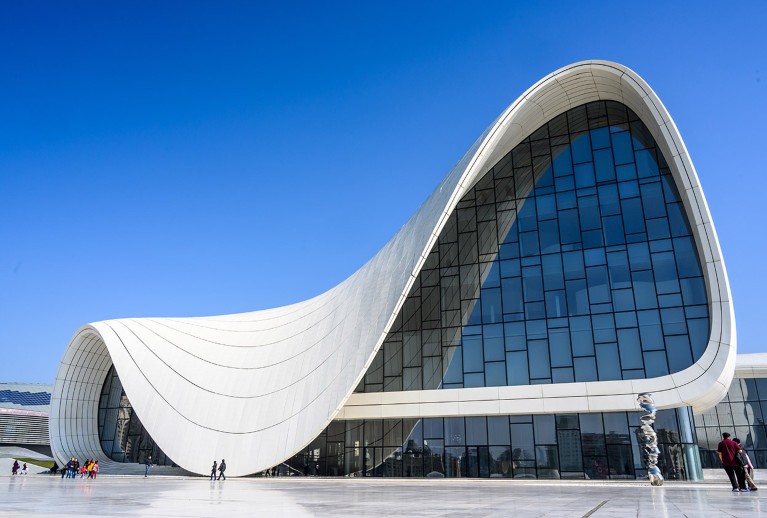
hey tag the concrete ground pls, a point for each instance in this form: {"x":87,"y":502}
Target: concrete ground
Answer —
{"x":40,"y":495}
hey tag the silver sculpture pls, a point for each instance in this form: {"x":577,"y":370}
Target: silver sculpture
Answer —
{"x":650,"y":438}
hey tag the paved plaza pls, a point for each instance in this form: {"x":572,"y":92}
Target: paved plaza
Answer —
{"x":169,"y":496}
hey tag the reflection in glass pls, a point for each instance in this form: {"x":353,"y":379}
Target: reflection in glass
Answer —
{"x":571,"y":260}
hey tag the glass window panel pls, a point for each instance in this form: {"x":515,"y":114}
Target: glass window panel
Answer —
{"x":549,"y":237}
{"x":545,"y":432}
{"x":491,"y":306}
{"x":604,"y":328}
{"x":536,"y":329}
{"x":556,"y":304}
{"x":639,"y":256}
{"x":673,"y":321}
{"x":498,"y":430}
{"x":452,"y":361}
{"x":588,"y":208}
{"x":564,"y":183}
{"x":618,"y":266}
{"x":573,"y":265}
{"x":600,"y":138}
{"x":622,"y":148}
{"x":652,"y":200}
{"x":630,"y":349}
{"x":646,"y":165}
{"x":655,"y":363}
{"x":664,"y":268}
{"x":592,"y":238}
{"x":644,"y":290}
{"x":495,"y":374}
{"x":455,"y":432}
{"x":677,"y":221}
{"x":432,"y":428}
{"x":512,"y":295}
{"x":562,"y":375}
{"x":532,"y":282}
{"x":603,"y":163}
{"x":594,"y":257}
{"x":693,"y":291}
{"x":516,"y":368}
{"x":626,"y":172}
{"x":553,"y":275}
{"x":581,"y":148}
{"x":658,"y":228}
{"x":522,"y":442}
{"x":562,"y":163}
{"x":577,"y":298}
{"x":582,"y":339}
{"x":540,"y":364}
{"x":566,"y":200}
{"x":629,"y":190}
{"x":492,"y":337}
{"x":608,"y":362}
{"x":510,"y":268}
{"x":599,"y":290}
{"x":476,"y":430}
{"x":620,"y":461}
{"x":686,"y":257}
{"x":625,"y":319}
{"x":623,"y":300}
{"x":473,"y":360}
{"x":559,"y":344}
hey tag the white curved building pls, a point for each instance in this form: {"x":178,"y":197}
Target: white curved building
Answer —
{"x":460,"y":314}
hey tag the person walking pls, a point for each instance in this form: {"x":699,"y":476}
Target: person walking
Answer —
{"x":95,"y":470}
{"x":147,"y":464}
{"x":70,"y":467}
{"x":221,"y":470}
{"x":746,"y":466}
{"x":15,"y":467}
{"x":728,"y":456}
{"x":213,"y":470}
{"x":24,"y":469}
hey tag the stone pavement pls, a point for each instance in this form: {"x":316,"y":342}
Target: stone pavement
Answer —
{"x":33,"y":496}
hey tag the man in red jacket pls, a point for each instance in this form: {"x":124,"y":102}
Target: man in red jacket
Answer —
{"x":728,"y":455}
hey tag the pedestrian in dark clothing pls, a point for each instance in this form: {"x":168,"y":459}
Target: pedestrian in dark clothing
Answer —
{"x":147,"y":465}
{"x":213,"y":470}
{"x":15,"y":467}
{"x":54,"y":468}
{"x":745,"y":465}
{"x":728,"y":455}
{"x":221,"y":470}
{"x":71,"y":468}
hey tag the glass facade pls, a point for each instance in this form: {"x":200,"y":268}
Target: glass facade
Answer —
{"x":742,"y":414}
{"x":123,"y":437}
{"x":571,"y":260}
{"x":581,"y":446}
{"x":25,"y":398}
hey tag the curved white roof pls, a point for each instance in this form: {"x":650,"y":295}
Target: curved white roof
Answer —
{"x":257,"y":387}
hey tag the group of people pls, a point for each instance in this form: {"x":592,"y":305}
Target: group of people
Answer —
{"x":736,"y":463}
{"x":90,"y":468}
{"x":221,"y":469}
{"x":18,"y":470}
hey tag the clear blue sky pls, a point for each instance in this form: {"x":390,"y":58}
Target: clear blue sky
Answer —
{"x":199,"y":158}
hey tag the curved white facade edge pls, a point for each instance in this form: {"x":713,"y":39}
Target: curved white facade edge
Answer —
{"x":257,"y":387}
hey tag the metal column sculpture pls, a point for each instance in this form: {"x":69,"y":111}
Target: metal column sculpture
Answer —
{"x":650,"y":438}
